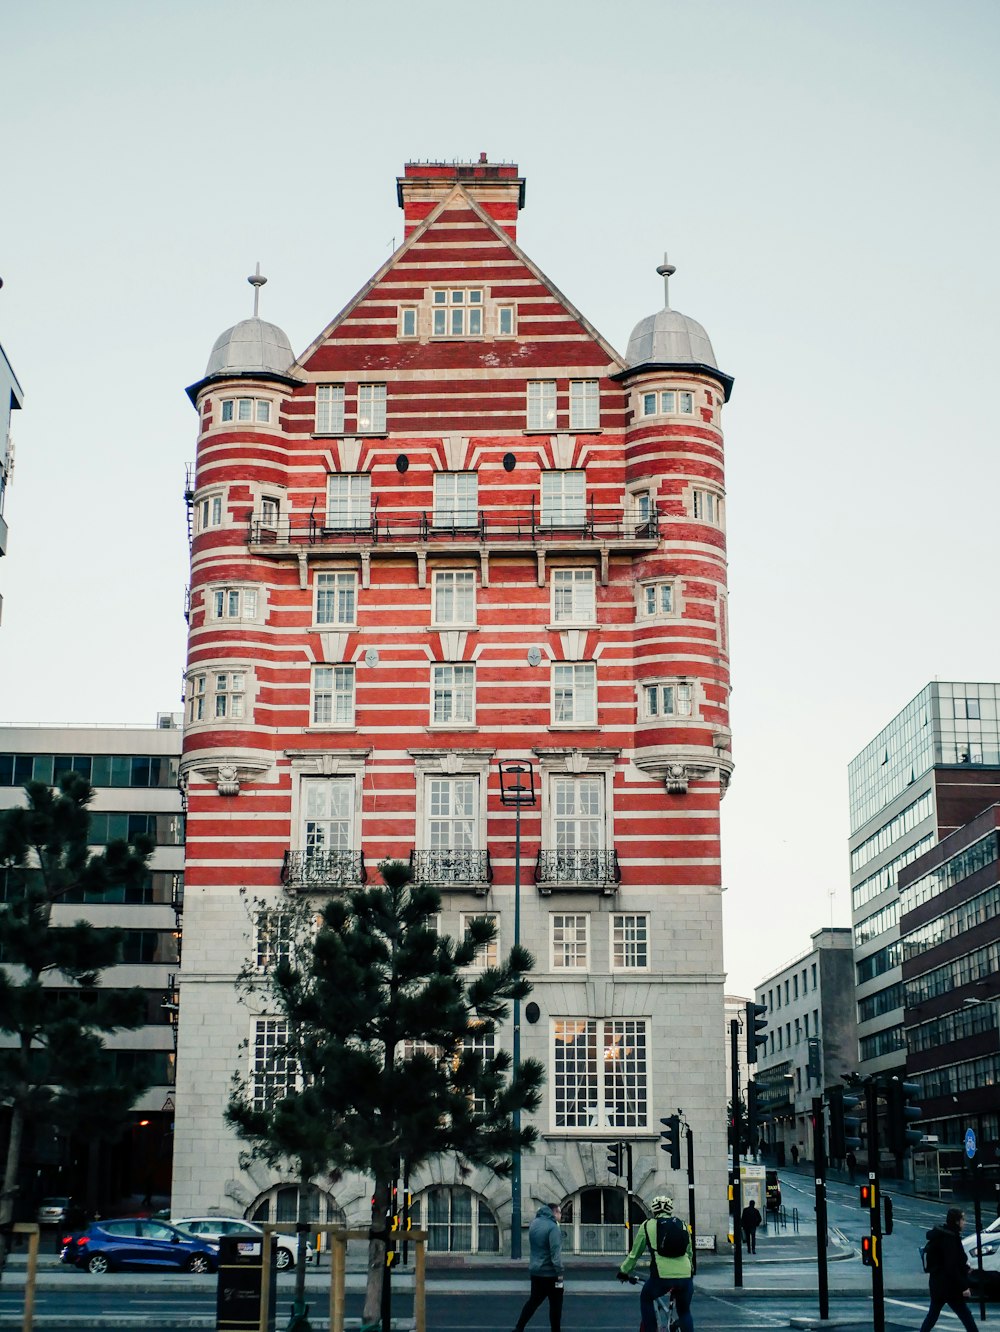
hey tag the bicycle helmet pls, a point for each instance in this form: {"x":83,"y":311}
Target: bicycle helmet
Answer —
{"x":662,"y":1205}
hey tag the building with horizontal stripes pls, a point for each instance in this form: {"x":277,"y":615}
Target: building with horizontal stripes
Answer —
{"x":460,"y":527}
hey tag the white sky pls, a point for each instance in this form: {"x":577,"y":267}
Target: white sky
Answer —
{"x":823,"y":175}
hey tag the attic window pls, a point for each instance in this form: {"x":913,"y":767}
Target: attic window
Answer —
{"x":457,"y":312}
{"x":668,"y":403}
{"x":246,"y":409}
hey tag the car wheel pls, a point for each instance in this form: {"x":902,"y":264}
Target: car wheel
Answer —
{"x":284,"y":1261}
{"x":98,"y":1264}
{"x":199,"y":1262}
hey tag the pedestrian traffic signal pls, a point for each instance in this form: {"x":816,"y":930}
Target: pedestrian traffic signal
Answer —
{"x":869,"y":1250}
{"x":671,"y":1140}
{"x":615,"y":1153}
{"x":756,"y":1025}
{"x":901,"y":1113}
{"x":867,"y":1196}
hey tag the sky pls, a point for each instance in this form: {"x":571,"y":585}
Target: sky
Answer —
{"x":822,"y":174}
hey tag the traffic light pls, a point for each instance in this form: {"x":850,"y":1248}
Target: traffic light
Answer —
{"x":615,"y":1153}
{"x":900,"y":1114}
{"x":867,"y":1196}
{"x":869,"y":1250}
{"x":835,"y":1110}
{"x":813,"y":1065}
{"x":671,"y":1136}
{"x":756,"y":1025}
{"x":887,"y":1208}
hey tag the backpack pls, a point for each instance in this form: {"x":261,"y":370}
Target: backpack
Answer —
{"x":671,"y":1237}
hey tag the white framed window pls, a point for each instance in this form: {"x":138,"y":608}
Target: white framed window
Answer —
{"x":234,"y":603}
{"x":230,"y":694}
{"x":333,"y":696}
{"x":209,"y":512}
{"x":668,"y":402}
{"x":564,"y":498}
{"x":270,"y":510}
{"x":452,"y":805}
{"x":668,"y":700}
{"x":371,"y":409}
{"x":272,"y":1070}
{"x":336,"y":598}
{"x":577,"y":813}
{"x":246,"y":409}
{"x":707,"y":505}
{"x":272,"y":937}
{"x":453,"y":694}
{"x":456,"y":499}
{"x":574,"y":596}
{"x":457,"y":312}
{"x":214,"y":695}
{"x":407,"y":321}
{"x":541,"y":404}
{"x":584,"y":404}
{"x":506,"y":321}
{"x":629,"y":941}
{"x":487,"y":955}
{"x":569,"y":937}
{"x":574,"y":693}
{"x":454,"y":596}
{"x":349,"y":500}
{"x":329,"y":409}
{"x":658,"y":599}
{"x":600,"y":1072}
{"x":327,"y":805}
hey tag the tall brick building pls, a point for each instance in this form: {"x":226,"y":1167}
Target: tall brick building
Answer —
{"x":460,"y":527}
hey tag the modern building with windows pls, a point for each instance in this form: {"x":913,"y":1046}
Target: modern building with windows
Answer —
{"x":811,"y":1040}
{"x":459,"y":528}
{"x":932,"y":769}
{"x":11,"y":400}
{"x":134,"y":771}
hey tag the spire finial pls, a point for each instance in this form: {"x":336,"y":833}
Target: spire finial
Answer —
{"x":256,"y":281}
{"x":666,"y":270}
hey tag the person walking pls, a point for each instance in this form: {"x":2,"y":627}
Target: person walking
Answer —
{"x":852,"y":1166}
{"x":795,"y":1154}
{"x":666,"y":1273}
{"x":545,"y":1267}
{"x":749,"y":1222}
{"x":948,"y":1269}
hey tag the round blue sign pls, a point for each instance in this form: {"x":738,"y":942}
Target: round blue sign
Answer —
{"x":970,"y":1143}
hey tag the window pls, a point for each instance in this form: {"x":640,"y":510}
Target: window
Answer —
{"x":584,"y":404}
{"x":505,"y":321}
{"x":453,"y":695}
{"x":336,"y":598}
{"x":578,"y":814}
{"x":573,"y":596}
{"x":454,"y":596}
{"x":570,"y":937}
{"x":668,"y":700}
{"x":234,"y":603}
{"x":541,"y":404}
{"x":371,"y":408}
{"x":210,"y":512}
{"x":457,"y":312}
{"x":273,"y":937}
{"x":246,"y":409}
{"x":408,"y":321}
{"x":668,"y":402}
{"x":564,"y":501}
{"x":707,"y":505}
{"x":629,"y":941}
{"x":795,"y":994}
{"x":452,"y":813}
{"x":270,"y":510}
{"x":574,"y":693}
{"x":333,"y":696}
{"x":967,"y":708}
{"x":272,"y":1074}
{"x":456,"y":1220}
{"x":216,"y":695}
{"x":329,"y":409}
{"x":327,"y":816}
{"x":658,"y":598}
{"x":456,"y":499}
{"x":348,"y":500}
{"x":599,"y":1073}
{"x":487,"y":955}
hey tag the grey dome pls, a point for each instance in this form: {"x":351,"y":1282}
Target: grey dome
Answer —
{"x":669,"y":338}
{"x":250,"y":346}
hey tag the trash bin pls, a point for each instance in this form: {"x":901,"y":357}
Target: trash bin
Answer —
{"x":237,"y":1306}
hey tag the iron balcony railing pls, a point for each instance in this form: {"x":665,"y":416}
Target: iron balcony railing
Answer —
{"x":577,"y":868}
{"x":496,"y":525}
{"x":316,"y":871}
{"x":453,"y":869}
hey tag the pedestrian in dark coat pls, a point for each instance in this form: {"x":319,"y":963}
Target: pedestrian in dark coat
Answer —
{"x":749,"y":1221}
{"x":545,"y":1266}
{"x":948,"y":1269}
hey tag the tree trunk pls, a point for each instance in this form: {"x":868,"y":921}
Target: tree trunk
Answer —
{"x":372,"y":1314}
{"x":11,"y":1169}
{"x":300,"y":1248}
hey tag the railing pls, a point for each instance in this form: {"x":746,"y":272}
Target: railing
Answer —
{"x":452,"y":869}
{"x":597,"y":869}
{"x":382,"y":526}
{"x":311,"y":871}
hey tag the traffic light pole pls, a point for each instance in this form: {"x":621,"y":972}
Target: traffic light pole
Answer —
{"x":734,"y":1032}
{"x":875,"y":1207}
{"x":628,"y":1196}
{"x":694,"y":1229}
{"x":819,"y":1162}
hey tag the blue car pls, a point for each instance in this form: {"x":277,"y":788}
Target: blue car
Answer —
{"x":138,"y":1242}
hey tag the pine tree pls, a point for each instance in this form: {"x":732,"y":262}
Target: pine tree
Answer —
{"x":388,"y":1064}
{"x":53,"y":1012}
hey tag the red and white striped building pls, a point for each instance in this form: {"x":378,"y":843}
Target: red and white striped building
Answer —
{"x":460,"y":527}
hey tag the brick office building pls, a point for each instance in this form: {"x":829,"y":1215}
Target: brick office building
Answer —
{"x":460,"y":527}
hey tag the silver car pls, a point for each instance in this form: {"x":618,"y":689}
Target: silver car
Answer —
{"x":214,"y":1227}
{"x":52,"y":1211}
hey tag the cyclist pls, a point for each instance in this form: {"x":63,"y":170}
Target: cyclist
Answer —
{"x":666,"y":1274}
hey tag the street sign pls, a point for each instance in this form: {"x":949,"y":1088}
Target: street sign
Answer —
{"x":970,"y":1143}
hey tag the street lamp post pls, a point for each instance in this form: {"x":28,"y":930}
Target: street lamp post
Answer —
{"x":517,"y":788}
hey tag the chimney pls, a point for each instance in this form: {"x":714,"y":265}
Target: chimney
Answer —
{"x":495,"y":186}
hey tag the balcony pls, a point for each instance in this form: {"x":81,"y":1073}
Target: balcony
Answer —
{"x":453,"y":869}
{"x":323,"y":871}
{"x":577,"y":870}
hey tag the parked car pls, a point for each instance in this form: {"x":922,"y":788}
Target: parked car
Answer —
{"x":214,"y":1227}
{"x":989,"y":1243}
{"x":52,"y":1212}
{"x":139,"y":1242}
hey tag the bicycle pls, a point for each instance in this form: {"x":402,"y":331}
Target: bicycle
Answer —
{"x":666,"y":1310}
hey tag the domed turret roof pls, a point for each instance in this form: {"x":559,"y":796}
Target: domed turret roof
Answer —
{"x":252,"y":345}
{"x":672,"y":340}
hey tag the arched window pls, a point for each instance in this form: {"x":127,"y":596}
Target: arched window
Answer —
{"x":593,"y":1220}
{"x":456,"y":1220}
{"x":282,"y":1203}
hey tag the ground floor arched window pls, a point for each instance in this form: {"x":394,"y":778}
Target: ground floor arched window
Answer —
{"x":456,"y":1220}
{"x":593,"y":1221}
{"x":281,"y":1203}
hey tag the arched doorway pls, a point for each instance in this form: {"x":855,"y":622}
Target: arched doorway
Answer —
{"x":593,"y":1220}
{"x":281,"y":1203}
{"x":456,"y":1220}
